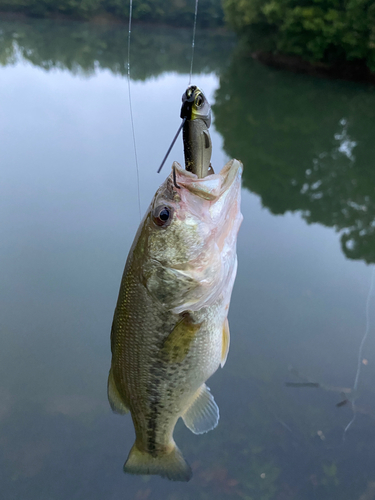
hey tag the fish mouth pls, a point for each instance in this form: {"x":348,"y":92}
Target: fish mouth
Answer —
{"x":212,"y":186}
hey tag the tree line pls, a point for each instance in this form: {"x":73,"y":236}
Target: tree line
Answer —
{"x":176,"y":12}
{"x":324,"y":31}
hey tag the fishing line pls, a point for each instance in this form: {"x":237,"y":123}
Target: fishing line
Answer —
{"x":131,"y":110}
{"x":366,"y":330}
{"x":193,"y":41}
{"x":359,"y":363}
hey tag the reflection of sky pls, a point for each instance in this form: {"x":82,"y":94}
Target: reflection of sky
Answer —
{"x":68,"y":213}
{"x":346,"y":145}
{"x":69,"y":121}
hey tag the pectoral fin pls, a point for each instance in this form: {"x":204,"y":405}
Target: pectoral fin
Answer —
{"x":114,"y":398}
{"x":226,"y":342}
{"x":178,"y":342}
{"x":203,"y":413}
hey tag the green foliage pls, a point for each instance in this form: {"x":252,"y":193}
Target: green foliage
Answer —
{"x":83,"y":47}
{"x":42,"y":8}
{"x":176,"y":12}
{"x":307,"y":145}
{"x":317,"y":30}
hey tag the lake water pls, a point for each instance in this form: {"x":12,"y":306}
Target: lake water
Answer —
{"x":69,"y":212}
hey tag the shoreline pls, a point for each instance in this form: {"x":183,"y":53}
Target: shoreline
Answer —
{"x":352,"y":71}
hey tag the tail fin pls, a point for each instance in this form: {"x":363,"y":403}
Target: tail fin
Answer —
{"x":171,"y":465}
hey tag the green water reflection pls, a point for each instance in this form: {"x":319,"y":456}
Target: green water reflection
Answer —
{"x":307,"y":144}
{"x":84,"y":47}
{"x":307,"y":147}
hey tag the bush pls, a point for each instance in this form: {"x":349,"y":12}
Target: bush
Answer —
{"x":329,"y":31}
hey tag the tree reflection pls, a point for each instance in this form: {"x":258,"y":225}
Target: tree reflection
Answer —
{"x":306,"y":144}
{"x":84,"y":47}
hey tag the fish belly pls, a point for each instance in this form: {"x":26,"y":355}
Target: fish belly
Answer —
{"x":160,"y":360}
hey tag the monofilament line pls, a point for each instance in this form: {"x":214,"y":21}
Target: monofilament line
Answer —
{"x":367,"y":328}
{"x":360,"y":351}
{"x":193,"y":41}
{"x":131,"y":109}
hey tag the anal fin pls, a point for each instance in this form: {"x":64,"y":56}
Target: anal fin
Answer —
{"x":116,"y":402}
{"x":203,"y":413}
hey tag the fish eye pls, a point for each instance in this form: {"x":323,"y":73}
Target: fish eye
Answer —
{"x":162,"y":215}
{"x":199,"y":100}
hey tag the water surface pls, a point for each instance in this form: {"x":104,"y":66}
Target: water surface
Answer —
{"x":69,"y":212}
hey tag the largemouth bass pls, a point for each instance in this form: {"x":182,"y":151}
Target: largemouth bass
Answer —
{"x":170,"y":330}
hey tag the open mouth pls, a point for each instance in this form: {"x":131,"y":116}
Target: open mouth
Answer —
{"x":212,"y":186}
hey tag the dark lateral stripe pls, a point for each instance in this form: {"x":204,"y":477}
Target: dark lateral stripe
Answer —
{"x":154,"y":398}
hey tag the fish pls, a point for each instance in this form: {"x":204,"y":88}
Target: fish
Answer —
{"x":196,"y":113}
{"x":170,"y":329}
